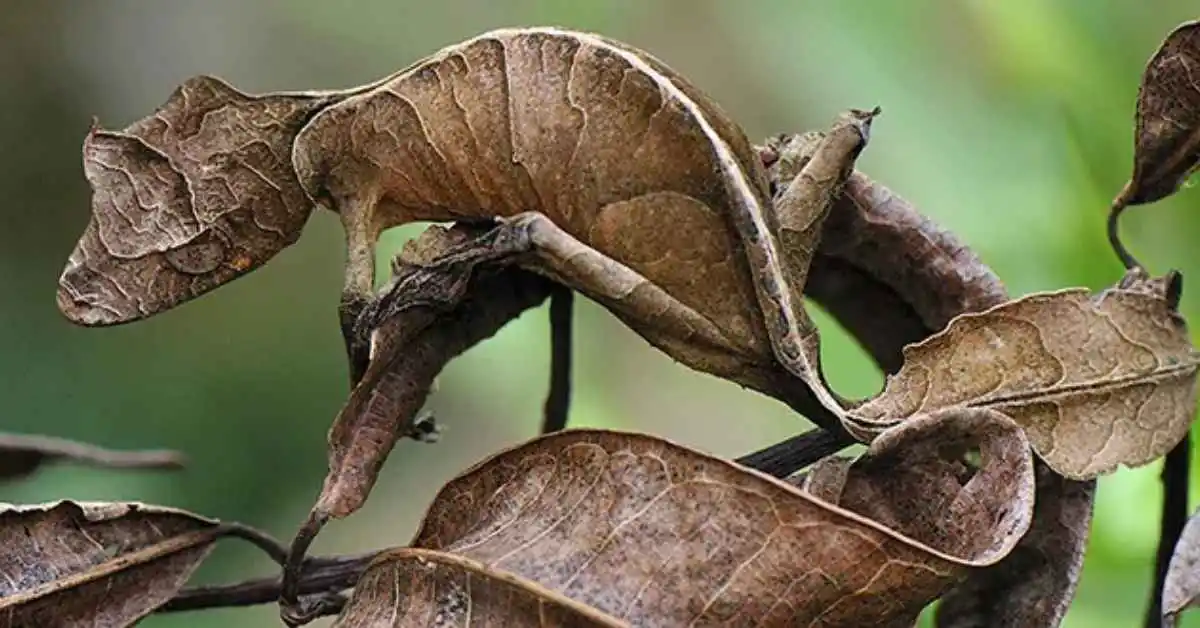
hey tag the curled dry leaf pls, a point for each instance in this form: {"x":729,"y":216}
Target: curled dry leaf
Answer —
{"x":927,"y":276}
{"x":1167,"y":128}
{"x":653,"y":533}
{"x":890,"y":275}
{"x":1033,"y":585}
{"x":21,"y":455}
{"x":96,"y":564}
{"x":929,"y":267}
{"x":443,"y":308}
{"x":441,"y":305}
{"x":1182,"y":588}
{"x":1167,"y":134}
{"x":1097,"y":381}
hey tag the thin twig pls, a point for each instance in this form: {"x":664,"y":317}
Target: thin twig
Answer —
{"x":20,"y":454}
{"x":1114,"y":236}
{"x":320,"y":576}
{"x":785,"y":458}
{"x":267,"y":543}
{"x":293,"y":610}
{"x":1174,"y":476}
{"x":558,"y":400}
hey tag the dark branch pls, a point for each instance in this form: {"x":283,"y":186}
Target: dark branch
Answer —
{"x":558,"y":400}
{"x":263,"y":541}
{"x":325,"y":577}
{"x":1114,"y":235}
{"x":785,"y":458}
{"x":1174,"y":517}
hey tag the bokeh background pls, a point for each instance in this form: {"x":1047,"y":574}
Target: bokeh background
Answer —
{"x":1009,"y":122}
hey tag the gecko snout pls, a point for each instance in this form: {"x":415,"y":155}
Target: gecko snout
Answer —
{"x":83,"y":298}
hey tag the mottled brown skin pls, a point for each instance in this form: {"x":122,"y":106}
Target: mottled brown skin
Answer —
{"x":589,"y":142}
{"x":185,"y":200}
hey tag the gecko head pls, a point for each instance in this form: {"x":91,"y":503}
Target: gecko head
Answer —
{"x":195,"y":195}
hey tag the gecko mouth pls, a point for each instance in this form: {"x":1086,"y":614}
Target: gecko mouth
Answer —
{"x":82,"y":298}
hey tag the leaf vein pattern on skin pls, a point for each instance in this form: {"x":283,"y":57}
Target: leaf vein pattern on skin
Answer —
{"x":467,"y":178}
{"x":200,"y":127}
{"x":427,"y":138}
{"x":580,"y":132}
{"x":116,"y":210}
{"x":391,"y":132}
{"x":490,"y":184}
{"x":663,"y":108}
{"x":470,"y":615}
{"x":513,"y":138}
{"x":733,"y":172}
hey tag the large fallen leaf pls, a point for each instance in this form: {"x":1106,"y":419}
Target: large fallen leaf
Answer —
{"x":21,"y":455}
{"x":653,"y":533}
{"x":95,"y":564}
{"x":1182,"y":588}
{"x":1097,"y":381}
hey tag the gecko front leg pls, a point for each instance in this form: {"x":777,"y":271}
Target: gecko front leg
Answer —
{"x":358,"y":284}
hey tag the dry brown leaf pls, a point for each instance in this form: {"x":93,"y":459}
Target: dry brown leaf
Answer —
{"x":657,"y":534}
{"x":1167,"y":134}
{"x":932,"y":269}
{"x":413,"y":587}
{"x":444,"y":303}
{"x":1167,"y":129}
{"x":915,"y":272}
{"x":445,"y":309}
{"x":1182,"y":588}
{"x":21,"y":455}
{"x":1097,"y":381}
{"x":1034,"y":585}
{"x":95,"y":564}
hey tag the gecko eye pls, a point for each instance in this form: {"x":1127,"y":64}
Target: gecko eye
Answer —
{"x":768,"y":155}
{"x":201,"y":256}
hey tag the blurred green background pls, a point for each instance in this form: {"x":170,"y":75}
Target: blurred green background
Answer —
{"x":1009,"y":122}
